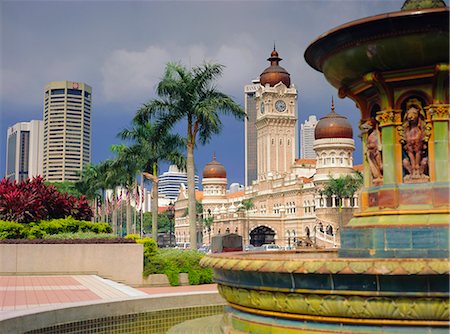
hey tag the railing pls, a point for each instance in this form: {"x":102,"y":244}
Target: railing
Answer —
{"x":323,"y":236}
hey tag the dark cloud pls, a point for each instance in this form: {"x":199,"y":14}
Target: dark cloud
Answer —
{"x":120,"y":49}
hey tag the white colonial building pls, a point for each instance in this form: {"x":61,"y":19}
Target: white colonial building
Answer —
{"x":288,"y":206}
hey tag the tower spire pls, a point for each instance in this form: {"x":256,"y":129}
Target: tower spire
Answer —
{"x":332,"y":104}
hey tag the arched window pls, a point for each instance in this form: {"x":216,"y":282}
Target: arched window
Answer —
{"x":330,"y":230}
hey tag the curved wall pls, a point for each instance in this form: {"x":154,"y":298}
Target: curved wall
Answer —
{"x":154,"y":314}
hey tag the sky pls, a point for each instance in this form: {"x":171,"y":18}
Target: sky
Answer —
{"x":120,"y":49}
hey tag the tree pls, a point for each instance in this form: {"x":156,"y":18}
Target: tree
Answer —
{"x":150,"y":145}
{"x":343,"y":187}
{"x":90,"y":185}
{"x":110,"y":179}
{"x":103,"y":181}
{"x":68,"y":187}
{"x":127,"y":167}
{"x":208,"y":223}
{"x":190,"y":96}
{"x":246,"y":205}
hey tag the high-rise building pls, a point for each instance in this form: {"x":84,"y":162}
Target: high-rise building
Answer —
{"x":307,"y":138}
{"x":24,"y":150}
{"x":250,"y":132}
{"x":170,"y":182}
{"x":67,"y":130}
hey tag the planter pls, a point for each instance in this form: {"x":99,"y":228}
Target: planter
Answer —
{"x":119,"y":262}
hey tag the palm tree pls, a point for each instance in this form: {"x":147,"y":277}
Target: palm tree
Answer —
{"x":127,"y":167}
{"x":89,"y":185}
{"x":110,"y":179}
{"x":151,"y":145}
{"x":246,"y":205}
{"x":208,"y":223}
{"x":102,"y":184}
{"x":190,"y":95}
{"x":343,"y":187}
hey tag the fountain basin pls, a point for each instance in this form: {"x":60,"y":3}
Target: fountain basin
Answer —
{"x":387,"y":42}
{"x":319,"y":287}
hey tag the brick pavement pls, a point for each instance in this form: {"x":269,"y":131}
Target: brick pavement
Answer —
{"x":27,"y":292}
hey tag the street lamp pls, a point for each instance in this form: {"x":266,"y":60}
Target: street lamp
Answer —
{"x":170,"y":216}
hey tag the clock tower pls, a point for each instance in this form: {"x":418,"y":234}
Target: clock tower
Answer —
{"x":276,"y":120}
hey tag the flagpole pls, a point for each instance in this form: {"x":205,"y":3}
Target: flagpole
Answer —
{"x":141,"y":205}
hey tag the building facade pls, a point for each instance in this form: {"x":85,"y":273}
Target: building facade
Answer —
{"x":170,"y":182}
{"x":285,"y":205}
{"x":67,"y":130}
{"x":24,"y":150}
{"x":307,"y":138}
{"x":250,"y":139}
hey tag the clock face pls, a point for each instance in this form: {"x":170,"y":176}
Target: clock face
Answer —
{"x":262,"y":107}
{"x":280,"y":105}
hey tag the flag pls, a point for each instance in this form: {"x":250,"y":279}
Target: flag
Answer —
{"x":99,"y":206}
{"x":142,"y":196}
{"x":119,"y":198}
{"x":107,"y":206}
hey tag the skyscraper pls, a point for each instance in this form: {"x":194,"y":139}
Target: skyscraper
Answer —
{"x":307,"y":138}
{"x":24,"y":150}
{"x":67,"y":130}
{"x":250,"y":133}
{"x":170,"y":181}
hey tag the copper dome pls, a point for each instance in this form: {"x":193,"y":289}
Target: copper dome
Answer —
{"x":333,"y":125}
{"x":214,"y":169}
{"x":275,"y":73}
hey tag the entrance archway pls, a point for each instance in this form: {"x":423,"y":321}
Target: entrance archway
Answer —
{"x":262,"y":235}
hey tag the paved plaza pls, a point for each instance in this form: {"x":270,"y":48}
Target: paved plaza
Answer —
{"x":31,"y":292}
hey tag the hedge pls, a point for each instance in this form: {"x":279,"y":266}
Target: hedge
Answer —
{"x":174,"y":261}
{"x":39,"y":230}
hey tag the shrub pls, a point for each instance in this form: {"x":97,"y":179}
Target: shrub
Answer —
{"x":32,"y":200}
{"x":55,"y":226}
{"x":174,"y":261}
{"x":11,"y":230}
{"x":81,"y":235}
{"x":34,"y":231}
{"x":134,"y":237}
{"x":150,"y":246}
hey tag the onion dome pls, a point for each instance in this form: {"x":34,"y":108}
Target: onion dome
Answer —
{"x":214,"y":169}
{"x":275,"y":73}
{"x":333,"y":125}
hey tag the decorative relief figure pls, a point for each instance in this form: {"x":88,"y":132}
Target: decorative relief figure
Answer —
{"x":415,"y":134}
{"x":373,"y":151}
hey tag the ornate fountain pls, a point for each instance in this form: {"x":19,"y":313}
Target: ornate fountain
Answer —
{"x":391,"y":274}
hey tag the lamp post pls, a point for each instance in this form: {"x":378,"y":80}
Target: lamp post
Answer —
{"x":170,"y":216}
